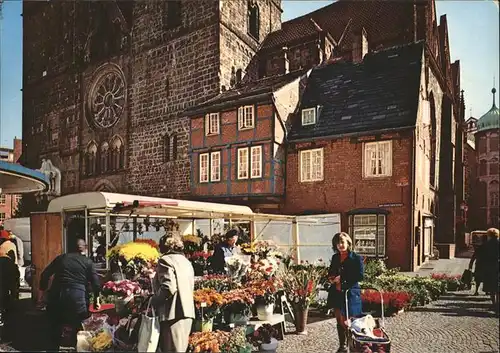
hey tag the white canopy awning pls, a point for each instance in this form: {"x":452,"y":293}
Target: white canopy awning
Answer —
{"x":153,"y":206}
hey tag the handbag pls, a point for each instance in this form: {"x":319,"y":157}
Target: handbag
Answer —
{"x":149,"y":331}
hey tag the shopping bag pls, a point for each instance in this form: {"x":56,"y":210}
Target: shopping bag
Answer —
{"x":467,"y":278}
{"x":149,"y":331}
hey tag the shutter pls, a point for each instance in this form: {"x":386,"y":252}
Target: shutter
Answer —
{"x":207,"y":124}
{"x":369,"y":150}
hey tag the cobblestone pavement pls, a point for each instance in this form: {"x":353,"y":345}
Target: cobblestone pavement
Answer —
{"x":458,"y":322}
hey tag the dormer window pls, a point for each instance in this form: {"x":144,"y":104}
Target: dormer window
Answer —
{"x":253,"y":20}
{"x":212,"y":124}
{"x":308,"y":116}
{"x":245,"y":117}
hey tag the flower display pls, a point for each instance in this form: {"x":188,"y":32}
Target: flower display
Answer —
{"x":220,"y":283}
{"x":123,"y":289}
{"x":263,"y":334}
{"x":237,"y":266}
{"x":301,"y":283}
{"x":207,"y":342}
{"x":452,"y":282}
{"x":135,"y":250}
{"x":207,"y":303}
{"x":393,"y":301}
{"x":199,"y":259}
{"x":265,"y":267}
{"x":262,"y":248}
{"x":239,"y":300}
{"x":264,"y":291}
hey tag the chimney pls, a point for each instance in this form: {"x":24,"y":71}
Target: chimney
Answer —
{"x":18,"y":149}
{"x":286,"y":62}
{"x":359,"y":46}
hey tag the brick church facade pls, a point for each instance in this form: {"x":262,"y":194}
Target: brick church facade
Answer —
{"x":110,"y":97}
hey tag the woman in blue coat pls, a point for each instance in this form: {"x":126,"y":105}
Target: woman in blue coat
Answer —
{"x":346,"y":270}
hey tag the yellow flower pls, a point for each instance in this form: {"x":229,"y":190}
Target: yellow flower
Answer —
{"x":132,"y":250}
{"x":191,"y":239}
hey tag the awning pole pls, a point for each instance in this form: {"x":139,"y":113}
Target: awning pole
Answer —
{"x":296,"y":241}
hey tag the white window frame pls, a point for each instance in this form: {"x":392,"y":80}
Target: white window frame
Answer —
{"x":215,"y":170}
{"x":308,"y":120}
{"x":212,"y":124}
{"x":371,"y":157}
{"x":246,"y":117}
{"x":316,"y":170}
{"x":3,"y":199}
{"x":204,"y":167}
{"x":243,"y":161}
{"x":362,"y":227}
{"x":256,"y":165}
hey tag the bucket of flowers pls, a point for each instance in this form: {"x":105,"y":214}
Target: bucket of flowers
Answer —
{"x":301,"y":285}
{"x":208,"y":303}
{"x":238,"y":305}
{"x":264,"y":338}
{"x":207,"y":342}
{"x":237,"y":342}
{"x":264,"y":291}
{"x":122,"y":293}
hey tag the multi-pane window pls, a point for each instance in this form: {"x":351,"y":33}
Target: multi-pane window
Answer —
{"x":2,"y":199}
{"x":243,"y":163}
{"x":311,"y":165}
{"x":250,"y":162}
{"x":215,"y":166}
{"x":212,"y":124}
{"x":256,"y":165}
{"x":246,"y":117}
{"x":368,"y":234}
{"x":378,"y":159}
{"x":308,"y":116}
{"x":204,"y":157}
{"x":2,"y":216}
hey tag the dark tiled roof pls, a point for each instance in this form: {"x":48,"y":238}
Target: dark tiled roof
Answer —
{"x":384,"y":21}
{"x":252,"y":88}
{"x":380,"y":93}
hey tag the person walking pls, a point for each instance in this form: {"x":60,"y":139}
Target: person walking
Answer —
{"x":173,"y":287}
{"x":222,"y":251}
{"x":478,"y":258}
{"x":68,"y":297}
{"x":491,"y":266}
{"x":9,"y":289}
{"x":345,"y":272}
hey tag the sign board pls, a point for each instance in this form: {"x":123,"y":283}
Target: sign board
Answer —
{"x":395,"y":204}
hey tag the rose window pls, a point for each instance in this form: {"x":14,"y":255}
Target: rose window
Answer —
{"x":107,"y":98}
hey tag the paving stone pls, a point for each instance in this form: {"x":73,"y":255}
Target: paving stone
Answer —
{"x":457,"y":322}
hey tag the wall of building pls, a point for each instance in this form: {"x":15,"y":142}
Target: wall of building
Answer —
{"x":344,"y":188}
{"x":228,"y":141}
{"x":8,"y":203}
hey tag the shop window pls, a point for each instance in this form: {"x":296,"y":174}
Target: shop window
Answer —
{"x":368,"y":233}
{"x":378,"y":159}
{"x":311,"y":165}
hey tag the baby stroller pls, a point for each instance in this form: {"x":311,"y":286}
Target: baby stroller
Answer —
{"x":376,"y":341}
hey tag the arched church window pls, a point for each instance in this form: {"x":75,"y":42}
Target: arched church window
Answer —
{"x":253,"y":19}
{"x":117,"y":153}
{"x":104,"y":157}
{"x":91,"y":159}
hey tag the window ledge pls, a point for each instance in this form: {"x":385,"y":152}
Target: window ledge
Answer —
{"x":311,"y":181}
{"x":246,"y":128}
{"x":212,"y":134}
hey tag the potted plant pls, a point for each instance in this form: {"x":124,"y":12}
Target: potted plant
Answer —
{"x":208,"y":303}
{"x":265,"y":338}
{"x":238,"y":305}
{"x":301,"y":285}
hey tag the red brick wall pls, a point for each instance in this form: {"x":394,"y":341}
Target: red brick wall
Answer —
{"x":228,"y":141}
{"x":344,"y":188}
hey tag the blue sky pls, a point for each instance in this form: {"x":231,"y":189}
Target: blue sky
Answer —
{"x":473,"y":31}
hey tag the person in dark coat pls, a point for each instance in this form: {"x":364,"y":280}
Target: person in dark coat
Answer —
{"x":345,"y":272}
{"x":222,"y":251}
{"x":491,"y":264}
{"x":478,"y":258}
{"x":68,"y":298}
